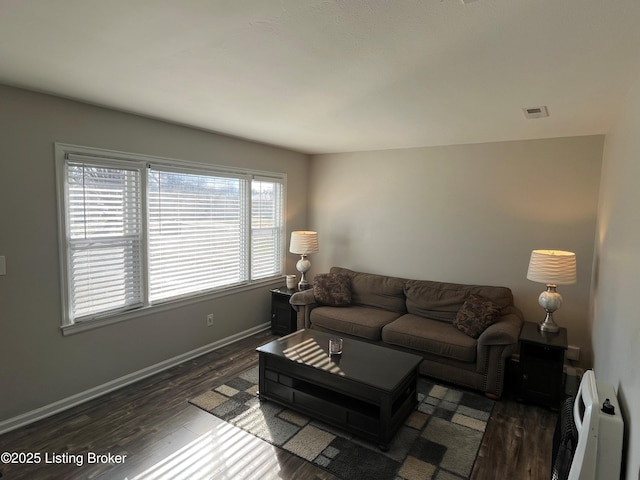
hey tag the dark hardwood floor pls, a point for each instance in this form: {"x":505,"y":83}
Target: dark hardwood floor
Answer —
{"x":159,"y":435}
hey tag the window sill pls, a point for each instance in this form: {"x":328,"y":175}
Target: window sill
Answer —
{"x":83,"y":326}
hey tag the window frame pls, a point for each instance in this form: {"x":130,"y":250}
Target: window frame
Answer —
{"x":142,"y":163}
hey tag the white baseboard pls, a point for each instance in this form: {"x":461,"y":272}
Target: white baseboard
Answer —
{"x":78,"y":398}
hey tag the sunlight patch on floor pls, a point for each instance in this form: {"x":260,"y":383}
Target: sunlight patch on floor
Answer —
{"x":224,"y":452}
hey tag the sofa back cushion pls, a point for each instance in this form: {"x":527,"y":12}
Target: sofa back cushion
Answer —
{"x":377,"y":291}
{"x":441,"y":301}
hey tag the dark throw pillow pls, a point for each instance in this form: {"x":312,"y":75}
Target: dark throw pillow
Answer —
{"x":475,"y":315}
{"x":333,"y":289}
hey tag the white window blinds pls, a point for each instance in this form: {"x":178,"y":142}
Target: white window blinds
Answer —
{"x":267,"y":228}
{"x":197,"y":231}
{"x":137,"y":232}
{"x":104,"y":238}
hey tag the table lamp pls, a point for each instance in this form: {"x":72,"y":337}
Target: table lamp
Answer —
{"x":303,"y":243}
{"x":552,"y":267}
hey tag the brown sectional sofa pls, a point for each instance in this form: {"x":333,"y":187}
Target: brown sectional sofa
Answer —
{"x":418,"y":316}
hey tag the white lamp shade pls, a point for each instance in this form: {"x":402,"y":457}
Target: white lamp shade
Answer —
{"x":303,"y":242}
{"x":553,"y":267}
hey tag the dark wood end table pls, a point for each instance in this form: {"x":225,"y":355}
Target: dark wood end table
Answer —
{"x":284,"y":319}
{"x":542,"y":365}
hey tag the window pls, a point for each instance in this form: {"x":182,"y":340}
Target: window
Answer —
{"x":267,"y":232}
{"x":197,"y":231}
{"x":104,"y":238}
{"x":139,"y":231}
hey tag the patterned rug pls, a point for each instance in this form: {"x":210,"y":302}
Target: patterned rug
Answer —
{"x":440,"y":439}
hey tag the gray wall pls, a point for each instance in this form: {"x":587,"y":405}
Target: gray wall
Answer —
{"x":616,"y":316}
{"x":37,"y":364}
{"x":465,"y":214}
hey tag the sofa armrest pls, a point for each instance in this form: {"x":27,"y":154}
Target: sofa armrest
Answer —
{"x":495,"y":345}
{"x":303,"y":302}
{"x":505,"y":331}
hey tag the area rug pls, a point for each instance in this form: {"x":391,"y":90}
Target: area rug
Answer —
{"x":440,"y":439}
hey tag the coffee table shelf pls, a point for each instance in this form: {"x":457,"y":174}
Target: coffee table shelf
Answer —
{"x":349,"y":392}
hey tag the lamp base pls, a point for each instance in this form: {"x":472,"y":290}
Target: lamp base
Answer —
{"x":550,"y":300}
{"x":549,"y":326}
{"x":303,"y":267}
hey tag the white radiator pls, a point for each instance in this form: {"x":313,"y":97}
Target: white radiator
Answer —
{"x":599,"y":426}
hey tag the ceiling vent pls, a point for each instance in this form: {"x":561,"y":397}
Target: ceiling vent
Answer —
{"x":468,"y":1}
{"x":536,"y":112}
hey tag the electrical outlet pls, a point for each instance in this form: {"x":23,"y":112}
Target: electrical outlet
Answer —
{"x":573,"y":353}
{"x":210,"y":320}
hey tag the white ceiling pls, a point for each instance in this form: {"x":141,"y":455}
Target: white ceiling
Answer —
{"x":334,"y":75}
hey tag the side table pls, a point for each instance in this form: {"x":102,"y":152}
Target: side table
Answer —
{"x":541,"y":365}
{"x":284,"y":319}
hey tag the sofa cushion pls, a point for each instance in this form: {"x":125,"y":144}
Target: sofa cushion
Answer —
{"x":476,"y":314}
{"x":354,"y":320}
{"x":332,"y":289}
{"x":430,"y":336}
{"x":378,"y":291}
{"x":441,"y":301}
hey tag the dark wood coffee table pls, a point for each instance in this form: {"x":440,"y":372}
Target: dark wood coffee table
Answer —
{"x":369,"y":390}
